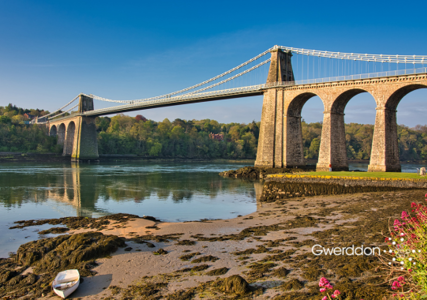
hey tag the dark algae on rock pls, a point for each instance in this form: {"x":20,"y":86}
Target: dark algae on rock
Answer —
{"x":78,"y":222}
{"x":49,"y":256}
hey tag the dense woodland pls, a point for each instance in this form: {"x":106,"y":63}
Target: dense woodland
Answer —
{"x":192,"y":139}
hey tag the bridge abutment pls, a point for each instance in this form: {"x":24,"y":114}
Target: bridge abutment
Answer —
{"x":385,"y":149}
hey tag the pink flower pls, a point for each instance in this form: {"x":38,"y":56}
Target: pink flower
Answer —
{"x":395,"y":285}
{"x":322,"y":290}
{"x":400,"y":278}
{"x":409,"y":270}
{"x":404,"y":215}
{"x":323,"y":281}
{"x":413,"y":204}
{"x":336,"y":293}
{"x":329,"y":286}
{"x":325,"y":298}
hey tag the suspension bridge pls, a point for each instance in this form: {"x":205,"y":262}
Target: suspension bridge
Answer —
{"x":287,"y":77}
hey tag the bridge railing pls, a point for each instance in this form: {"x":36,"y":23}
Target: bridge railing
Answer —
{"x":351,"y":77}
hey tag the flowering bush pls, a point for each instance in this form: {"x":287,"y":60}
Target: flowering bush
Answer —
{"x":324,"y":286}
{"x":408,"y":253}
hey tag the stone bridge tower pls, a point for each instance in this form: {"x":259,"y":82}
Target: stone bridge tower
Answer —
{"x":77,"y":134}
{"x":276,"y":145}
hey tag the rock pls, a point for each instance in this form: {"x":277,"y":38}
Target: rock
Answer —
{"x":7,"y":275}
{"x":78,"y":222}
{"x":150,"y":218}
{"x":66,"y":252}
{"x":30,"y":279}
{"x":423,"y":171}
{"x":161,"y":251}
{"x":54,"y":230}
{"x":15,"y":280}
{"x":235,"y":284}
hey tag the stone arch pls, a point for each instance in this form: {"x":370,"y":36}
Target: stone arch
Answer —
{"x":69,"y":140}
{"x":393,"y":101}
{"x":53,"y":131}
{"x":333,"y":149}
{"x":61,"y":134}
{"x":293,"y":149}
{"x":339,"y":104}
{"x":298,"y":102}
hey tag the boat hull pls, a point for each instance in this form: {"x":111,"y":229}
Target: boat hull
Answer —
{"x":69,"y":278}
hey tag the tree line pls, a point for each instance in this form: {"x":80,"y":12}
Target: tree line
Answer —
{"x":123,"y":134}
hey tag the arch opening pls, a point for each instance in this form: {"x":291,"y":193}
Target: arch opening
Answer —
{"x":398,"y":95}
{"x":61,"y":134}
{"x":304,"y":129}
{"x":53,"y":131}
{"x":410,"y":123}
{"x":359,"y":119}
{"x":69,"y":143}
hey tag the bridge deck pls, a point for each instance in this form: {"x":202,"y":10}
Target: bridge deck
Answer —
{"x":248,"y":91}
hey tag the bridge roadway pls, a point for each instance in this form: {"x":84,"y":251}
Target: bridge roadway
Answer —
{"x":247,"y":91}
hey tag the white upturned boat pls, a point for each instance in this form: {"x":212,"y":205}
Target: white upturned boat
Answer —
{"x":66,"y":282}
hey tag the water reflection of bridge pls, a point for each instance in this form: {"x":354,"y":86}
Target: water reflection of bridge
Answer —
{"x":82,"y":186}
{"x":68,"y":189}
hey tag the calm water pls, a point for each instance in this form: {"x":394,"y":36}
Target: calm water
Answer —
{"x":168,"y":191}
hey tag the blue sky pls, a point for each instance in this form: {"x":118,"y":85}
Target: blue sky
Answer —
{"x":50,"y":51}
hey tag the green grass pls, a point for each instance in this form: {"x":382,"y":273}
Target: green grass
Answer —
{"x":367,"y":174}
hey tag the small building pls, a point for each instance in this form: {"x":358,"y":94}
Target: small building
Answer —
{"x":216,"y":136}
{"x":28,"y":116}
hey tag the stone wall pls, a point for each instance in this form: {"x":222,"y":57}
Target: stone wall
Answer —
{"x":281,"y":189}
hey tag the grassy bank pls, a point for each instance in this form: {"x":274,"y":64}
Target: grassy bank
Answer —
{"x":356,"y":175}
